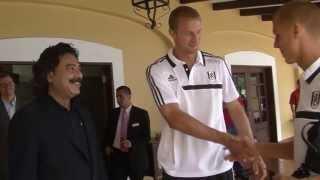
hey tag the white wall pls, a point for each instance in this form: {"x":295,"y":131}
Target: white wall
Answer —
{"x":29,"y":49}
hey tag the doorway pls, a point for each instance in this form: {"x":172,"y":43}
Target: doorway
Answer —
{"x":255,"y":86}
{"x":254,"y":83}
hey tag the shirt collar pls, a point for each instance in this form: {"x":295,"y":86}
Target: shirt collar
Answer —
{"x":12,"y":102}
{"x":199,"y":59}
{"x":310,"y":73}
{"x":128,"y":109}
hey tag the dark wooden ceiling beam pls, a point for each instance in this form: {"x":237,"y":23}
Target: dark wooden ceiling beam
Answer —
{"x":258,"y":11}
{"x":245,"y":4}
{"x":266,"y":17}
{"x":262,"y":10}
{"x":190,"y":1}
{"x":238,"y":4}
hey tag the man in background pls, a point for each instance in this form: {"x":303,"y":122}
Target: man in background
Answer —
{"x":8,"y":106}
{"x":128,"y":137}
{"x":294,"y":100}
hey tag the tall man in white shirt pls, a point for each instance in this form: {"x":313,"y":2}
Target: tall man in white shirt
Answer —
{"x":296,"y":27}
{"x":189,"y":87}
{"x":7,"y":110}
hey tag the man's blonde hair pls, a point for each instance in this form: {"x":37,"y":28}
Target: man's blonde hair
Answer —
{"x":302,"y":12}
{"x":182,"y":12}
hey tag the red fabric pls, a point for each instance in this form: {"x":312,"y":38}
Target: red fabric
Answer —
{"x":294,"y":98}
{"x":227,"y":117}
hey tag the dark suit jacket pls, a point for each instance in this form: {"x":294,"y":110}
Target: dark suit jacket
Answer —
{"x":43,"y":146}
{"x":4,"y":125}
{"x":138,"y":133}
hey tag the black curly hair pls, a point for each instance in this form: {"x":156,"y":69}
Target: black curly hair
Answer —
{"x":48,"y":61}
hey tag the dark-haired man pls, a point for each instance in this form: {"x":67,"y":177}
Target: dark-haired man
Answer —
{"x":8,"y":106}
{"x":53,"y":137}
{"x":128,"y":136}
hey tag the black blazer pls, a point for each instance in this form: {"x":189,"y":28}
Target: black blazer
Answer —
{"x":138,"y":133}
{"x":4,"y":125}
{"x":42,"y":145}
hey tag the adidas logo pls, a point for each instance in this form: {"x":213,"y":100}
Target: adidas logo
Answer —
{"x":172,"y":78}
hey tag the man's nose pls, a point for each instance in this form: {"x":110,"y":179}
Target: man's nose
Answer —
{"x":78,"y":73}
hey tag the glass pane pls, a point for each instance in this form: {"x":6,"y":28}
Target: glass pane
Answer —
{"x":239,"y":81}
{"x":253,"y":79}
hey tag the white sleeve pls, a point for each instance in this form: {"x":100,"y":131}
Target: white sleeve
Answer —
{"x":161,"y":89}
{"x":230,"y":92}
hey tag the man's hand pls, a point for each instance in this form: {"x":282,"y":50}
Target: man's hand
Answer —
{"x":244,"y":151}
{"x":259,"y":168}
{"x":108,"y":150}
{"x":241,"y":149}
{"x":125,"y":145}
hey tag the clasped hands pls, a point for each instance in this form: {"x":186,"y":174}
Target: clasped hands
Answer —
{"x":125,"y":144}
{"x":242,"y":149}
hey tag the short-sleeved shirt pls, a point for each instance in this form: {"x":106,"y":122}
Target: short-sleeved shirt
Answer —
{"x":308,"y":108}
{"x":200,"y":92}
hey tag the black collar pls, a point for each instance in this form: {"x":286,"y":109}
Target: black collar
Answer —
{"x":313,"y":75}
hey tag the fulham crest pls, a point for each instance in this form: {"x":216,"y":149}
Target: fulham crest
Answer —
{"x":315,"y":99}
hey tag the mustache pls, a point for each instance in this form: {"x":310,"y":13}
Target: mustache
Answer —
{"x":74,"y":80}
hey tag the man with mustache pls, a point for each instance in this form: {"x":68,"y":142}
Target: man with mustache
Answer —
{"x":53,"y":137}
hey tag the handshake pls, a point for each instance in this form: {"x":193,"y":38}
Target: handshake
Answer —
{"x":242,"y":149}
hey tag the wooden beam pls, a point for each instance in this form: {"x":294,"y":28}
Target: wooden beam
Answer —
{"x":190,"y":1}
{"x":245,"y":4}
{"x":266,"y":17}
{"x":263,"y":10}
{"x":258,"y":11}
{"x":237,"y":4}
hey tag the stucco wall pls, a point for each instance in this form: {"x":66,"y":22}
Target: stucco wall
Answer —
{"x":113,"y":23}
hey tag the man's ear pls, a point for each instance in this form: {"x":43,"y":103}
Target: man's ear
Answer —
{"x":50,"y":76}
{"x":298,"y":29}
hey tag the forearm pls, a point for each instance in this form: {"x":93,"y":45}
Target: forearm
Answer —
{"x":187,"y":124}
{"x":276,"y":150}
{"x":293,"y":109}
{"x":240,"y":120}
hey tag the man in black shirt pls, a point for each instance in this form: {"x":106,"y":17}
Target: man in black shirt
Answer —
{"x":53,"y":138}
